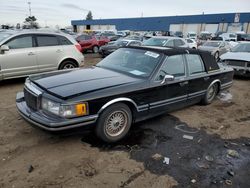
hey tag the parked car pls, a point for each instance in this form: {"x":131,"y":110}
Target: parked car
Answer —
{"x":134,"y":37}
{"x":30,"y":52}
{"x":113,"y":46}
{"x":205,"y":35}
{"x":243,"y":37}
{"x":178,"y":34}
{"x":216,"y":48}
{"x":111,"y":36}
{"x":191,"y":43}
{"x":88,"y":42}
{"x":192,"y":35}
{"x":239,"y":59}
{"x":121,"y":33}
{"x":166,"y":41}
{"x":102,"y":40}
{"x":130,"y":85}
{"x":229,"y":36}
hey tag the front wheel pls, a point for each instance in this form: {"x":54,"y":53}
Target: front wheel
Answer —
{"x":68,"y":64}
{"x":114,"y":123}
{"x":211,"y":93}
{"x":95,"y":49}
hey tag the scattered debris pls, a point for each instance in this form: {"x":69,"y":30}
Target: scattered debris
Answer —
{"x":225,"y":97}
{"x":30,"y":169}
{"x":193,"y":181}
{"x":188,"y":137}
{"x":228,"y":182}
{"x":180,"y":127}
{"x":61,"y":177}
{"x":166,"y":160}
{"x":131,"y":179}
{"x":230,"y":172}
{"x":90,"y":172}
{"x":157,"y":157}
{"x":209,"y":158}
{"x":232,"y":153}
{"x":202,"y":165}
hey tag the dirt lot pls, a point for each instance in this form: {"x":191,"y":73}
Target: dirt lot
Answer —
{"x":215,"y":155}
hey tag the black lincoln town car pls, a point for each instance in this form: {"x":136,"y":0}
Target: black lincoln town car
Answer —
{"x":130,"y":85}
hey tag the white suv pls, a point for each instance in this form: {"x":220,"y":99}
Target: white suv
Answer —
{"x":29,"y":52}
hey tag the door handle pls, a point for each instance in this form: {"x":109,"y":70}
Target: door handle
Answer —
{"x":183,"y":83}
{"x":31,"y":53}
{"x":206,"y":78}
{"x":58,"y":51}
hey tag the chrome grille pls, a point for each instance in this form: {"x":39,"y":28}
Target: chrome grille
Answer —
{"x":31,"y":99}
{"x":236,"y":63}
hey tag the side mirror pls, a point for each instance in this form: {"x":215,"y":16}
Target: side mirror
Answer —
{"x":167,"y":78}
{"x":4,"y":48}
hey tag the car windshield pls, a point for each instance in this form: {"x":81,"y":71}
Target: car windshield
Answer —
{"x":192,"y":35}
{"x":135,"y":62}
{"x":4,"y":35}
{"x":155,"y":42}
{"x":242,"y":48}
{"x":212,"y":44}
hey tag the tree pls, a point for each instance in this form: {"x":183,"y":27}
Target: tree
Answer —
{"x":31,"y":21}
{"x":89,"y":16}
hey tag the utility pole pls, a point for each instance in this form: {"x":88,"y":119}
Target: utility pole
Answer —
{"x":29,"y":3}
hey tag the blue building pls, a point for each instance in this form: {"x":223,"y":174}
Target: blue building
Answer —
{"x":228,"y":22}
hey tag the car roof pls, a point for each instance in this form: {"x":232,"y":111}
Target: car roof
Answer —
{"x":38,"y":31}
{"x":208,"y":59}
{"x":166,"y":37}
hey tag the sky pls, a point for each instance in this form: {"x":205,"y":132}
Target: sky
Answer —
{"x":61,"y":12}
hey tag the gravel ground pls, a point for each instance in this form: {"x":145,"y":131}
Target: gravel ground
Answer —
{"x":30,"y":157}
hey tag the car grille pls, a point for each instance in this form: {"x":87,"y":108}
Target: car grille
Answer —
{"x":31,"y":99}
{"x":236,"y":63}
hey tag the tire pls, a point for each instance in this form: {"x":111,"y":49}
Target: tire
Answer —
{"x":114,"y":123}
{"x":67,"y":64}
{"x":95,"y":49}
{"x":211,"y":93}
{"x":216,"y":56}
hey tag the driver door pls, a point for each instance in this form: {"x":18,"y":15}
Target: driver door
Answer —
{"x":20,"y":60}
{"x":170,"y":95}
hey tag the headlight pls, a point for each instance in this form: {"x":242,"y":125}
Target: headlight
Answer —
{"x":65,"y":110}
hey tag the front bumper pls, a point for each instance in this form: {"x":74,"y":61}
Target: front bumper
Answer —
{"x":241,"y":71}
{"x":49,"y":123}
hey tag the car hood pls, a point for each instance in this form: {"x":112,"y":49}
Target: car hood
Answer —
{"x":67,"y":84}
{"x":207,"y":48}
{"x":242,"y":56}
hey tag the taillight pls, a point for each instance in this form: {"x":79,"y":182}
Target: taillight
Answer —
{"x":78,"y":47}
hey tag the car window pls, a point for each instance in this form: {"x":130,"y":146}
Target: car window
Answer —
{"x":64,"y":40}
{"x":174,"y":65}
{"x":47,"y":40}
{"x":178,"y":42}
{"x":20,"y":42}
{"x":170,"y":43}
{"x":195,"y":64}
{"x":88,"y":37}
{"x":189,"y":41}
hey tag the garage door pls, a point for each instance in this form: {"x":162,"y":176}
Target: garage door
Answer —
{"x":190,"y":28}
{"x":175,"y":27}
{"x":212,"y":28}
{"x":234,"y":27}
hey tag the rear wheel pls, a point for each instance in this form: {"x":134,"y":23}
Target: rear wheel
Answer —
{"x":95,"y":49}
{"x":68,"y":64}
{"x":114,"y":123}
{"x":211,"y":93}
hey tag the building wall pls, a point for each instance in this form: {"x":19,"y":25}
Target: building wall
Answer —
{"x":165,"y":23}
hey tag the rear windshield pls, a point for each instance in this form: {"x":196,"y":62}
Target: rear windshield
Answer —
{"x":212,"y":44}
{"x":155,"y":42}
{"x":242,"y":48}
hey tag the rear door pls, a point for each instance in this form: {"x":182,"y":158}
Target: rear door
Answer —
{"x":20,"y":60}
{"x":199,"y":80}
{"x":49,"y":52}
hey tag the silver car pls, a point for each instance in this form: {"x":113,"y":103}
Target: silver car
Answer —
{"x":29,"y":52}
{"x":165,"y":41}
{"x":217,"y":48}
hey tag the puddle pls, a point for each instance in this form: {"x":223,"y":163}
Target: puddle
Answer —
{"x":188,"y":158}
